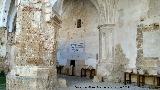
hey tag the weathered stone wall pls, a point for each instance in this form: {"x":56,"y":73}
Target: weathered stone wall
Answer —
{"x":35,"y":39}
{"x":148,"y":63}
{"x":120,"y":64}
{"x":129,"y":18}
{"x":132,"y":14}
{"x":87,"y":34}
{"x":36,"y":46}
{"x":3,"y":39}
{"x":10,"y":50}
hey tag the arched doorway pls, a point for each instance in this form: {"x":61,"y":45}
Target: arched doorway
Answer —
{"x":78,"y":39}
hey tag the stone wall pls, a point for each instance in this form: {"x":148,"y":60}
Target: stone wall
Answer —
{"x":3,"y":39}
{"x":36,"y":46}
{"x":130,"y":13}
{"x":10,"y":51}
{"x":150,"y":63}
{"x":120,"y":64}
{"x":86,"y":37}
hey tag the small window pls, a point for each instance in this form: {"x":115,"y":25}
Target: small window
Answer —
{"x":79,"y":23}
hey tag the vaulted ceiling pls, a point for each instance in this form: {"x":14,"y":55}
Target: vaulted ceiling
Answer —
{"x":58,"y":4}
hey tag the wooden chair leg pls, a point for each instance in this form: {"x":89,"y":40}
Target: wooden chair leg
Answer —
{"x":138,"y":80}
{"x":130,"y":79}
{"x":124,"y":78}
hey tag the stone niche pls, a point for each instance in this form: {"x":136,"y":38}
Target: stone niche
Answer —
{"x":148,"y":37}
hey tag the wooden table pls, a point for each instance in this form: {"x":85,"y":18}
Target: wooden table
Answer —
{"x":92,"y":72}
{"x":141,"y":79}
{"x":59,"y":69}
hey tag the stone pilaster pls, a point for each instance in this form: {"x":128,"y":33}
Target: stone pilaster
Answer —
{"x":107,"y":20}
{"x":35,"y":44}
{"x":106,"y":59}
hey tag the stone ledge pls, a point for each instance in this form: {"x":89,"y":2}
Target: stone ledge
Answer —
{"x":32,"y":78}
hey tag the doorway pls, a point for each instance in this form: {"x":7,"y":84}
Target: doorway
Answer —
{"x":72,"y":63}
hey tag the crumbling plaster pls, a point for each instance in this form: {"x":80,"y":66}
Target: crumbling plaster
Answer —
{"x":70,"y":34}
{"x":130,"y":12}
{"x":36,"y":44}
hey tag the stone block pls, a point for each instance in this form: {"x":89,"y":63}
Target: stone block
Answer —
{"x":141,"y":71}
{"x":31,"y":78}
{"x":35,"y":1}
{"x":48,"y":17}
{"x":62,"y":82}
{"x":97,"y":79}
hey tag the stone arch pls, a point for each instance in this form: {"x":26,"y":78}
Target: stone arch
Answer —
{"x":59,"y":5}
{"x":89,"y":16}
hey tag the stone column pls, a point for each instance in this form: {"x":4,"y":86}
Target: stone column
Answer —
{"x":106,"y":51}
{"x":35,"y":44}
{"x":107,"y":20}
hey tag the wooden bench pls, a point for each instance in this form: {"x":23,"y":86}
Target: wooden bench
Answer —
{"x":141,"y":79}
{"x":59,"y":69}
{"x":92,"y":72}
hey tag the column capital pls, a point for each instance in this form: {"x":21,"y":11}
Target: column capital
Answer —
{"x":55,"y":19}
{"x":104,"y":26}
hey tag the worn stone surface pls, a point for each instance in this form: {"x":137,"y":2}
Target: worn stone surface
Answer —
{"x":62,"y":82}
{"x":35,"y":44}
{"x":36,"y":78}
{"x":78,"y":43}
{"x":113,"y":72}
{"x":120,"y":64}
{"x":150,"y":63}
{"x":3,"y":40}
{"x":10,"y":49}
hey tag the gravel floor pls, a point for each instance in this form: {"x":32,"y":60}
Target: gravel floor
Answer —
{"x":78,"y":83}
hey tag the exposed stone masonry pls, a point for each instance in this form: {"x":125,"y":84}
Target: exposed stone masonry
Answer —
{"x":36,"y":44}
{"x":146,"y":64}
{"x":3,"y":49}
